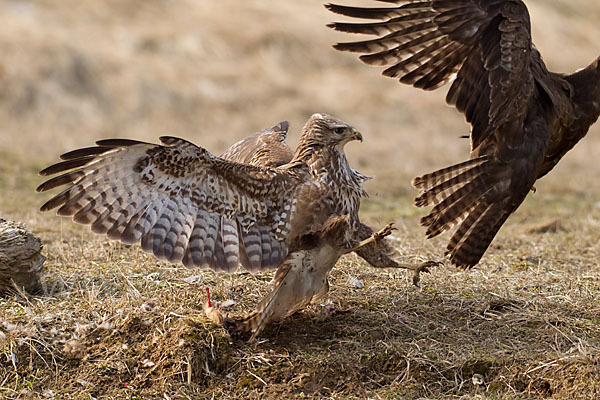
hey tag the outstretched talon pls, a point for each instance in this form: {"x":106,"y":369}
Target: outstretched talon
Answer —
{"x":424,"y":267}
{"x":383,"y":232}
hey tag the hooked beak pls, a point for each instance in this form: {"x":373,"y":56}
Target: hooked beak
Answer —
{"x":355,"y":135}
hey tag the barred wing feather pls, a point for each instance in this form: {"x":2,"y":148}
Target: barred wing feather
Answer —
{"x":185,"y":205}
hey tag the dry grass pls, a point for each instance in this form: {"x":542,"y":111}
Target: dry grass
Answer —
{"x":114,"y":323}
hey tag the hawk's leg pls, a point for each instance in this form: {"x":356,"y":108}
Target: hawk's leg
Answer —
{"x":385,"y":231}
{"x":417,"y":269}
{"x":378,"y":253}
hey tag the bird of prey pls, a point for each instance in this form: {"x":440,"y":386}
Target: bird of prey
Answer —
{"x":268,"y":148}
{"x":524,"y":118}
{"x":185,"y":205}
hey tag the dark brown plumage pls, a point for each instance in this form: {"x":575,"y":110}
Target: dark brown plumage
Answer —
{"x":523,"y":117}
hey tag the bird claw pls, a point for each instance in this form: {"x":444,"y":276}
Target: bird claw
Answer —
{"x":428,"y":264}
{"x":385,"y":231}
{"x":424,"y":267}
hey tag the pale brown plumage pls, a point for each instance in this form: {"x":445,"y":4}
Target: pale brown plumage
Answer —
{"x":187,"y":206}
{"x":302,"y":278}
{"x":265,"y":148}
{"x":268,"y":148}
{"x":524,"y":118}
{"x":171,"y":198}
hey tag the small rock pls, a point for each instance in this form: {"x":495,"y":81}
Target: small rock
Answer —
{"x":227,"y":303}
{"x":477,"y":379}
{"x":193,"y":279}
{"x":148,"y":363}
{"x":355,"y":282}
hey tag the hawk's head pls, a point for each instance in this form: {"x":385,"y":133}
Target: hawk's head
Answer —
{"x":326,"y":130}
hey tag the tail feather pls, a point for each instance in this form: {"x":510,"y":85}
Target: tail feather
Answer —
{"x":471,"y":193}
{"x":258,"y":319}
{"x":437,"y":193}
{"x":437,"y":225}
{"x":467,"y":250}
{"x":451,"y":210}
{"x":467,"y":227}
{"x":430,"y":180}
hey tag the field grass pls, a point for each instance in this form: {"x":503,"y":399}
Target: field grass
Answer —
{"x":112,"y":322}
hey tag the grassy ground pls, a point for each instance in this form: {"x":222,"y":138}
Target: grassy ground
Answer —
{"x":112,"y":322}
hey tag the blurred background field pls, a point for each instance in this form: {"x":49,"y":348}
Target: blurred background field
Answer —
{"x":72,"y":72}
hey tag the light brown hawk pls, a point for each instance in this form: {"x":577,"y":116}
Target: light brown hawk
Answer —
{"x":320,"y":252}
{"x":188,"y":206}
{"x":524,"y":118}
{"x":268,"y":148}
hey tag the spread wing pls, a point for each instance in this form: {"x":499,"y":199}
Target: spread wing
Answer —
{"x":173,"y":198}
{"x":485,"y":45}
{"x":265,"y":148}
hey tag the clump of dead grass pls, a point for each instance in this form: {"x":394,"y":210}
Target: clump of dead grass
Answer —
{"x":20,"y":259}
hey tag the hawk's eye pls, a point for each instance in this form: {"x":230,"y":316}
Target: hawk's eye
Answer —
{"x":339,"y":131}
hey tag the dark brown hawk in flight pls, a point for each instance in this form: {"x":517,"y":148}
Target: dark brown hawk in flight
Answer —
{"x":524,"y":118}
{"x":188,"y":206}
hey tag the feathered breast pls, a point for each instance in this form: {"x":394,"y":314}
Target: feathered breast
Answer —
{"x":331,"y":167}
